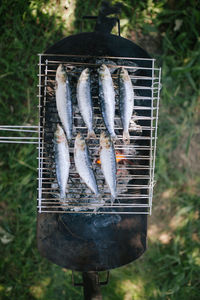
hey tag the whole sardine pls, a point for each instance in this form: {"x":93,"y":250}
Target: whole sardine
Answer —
{"x":62,"y":160}
{"x":107,"y":98}
{"x":108,"y":163}
{"x":85,"y":101}
{"x":83,"y":164}
{"x":63,"y":100}
{"x":126,"y":102}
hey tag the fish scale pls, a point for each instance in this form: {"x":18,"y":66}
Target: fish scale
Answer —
{"x":126,"y":102}
{"x":83,"y":164}
{"x":62,"y":160}
{"x":85,"y":101}
{"x":107,"y":99}
{"x":63,"y":100}
{"x":108,"y":164}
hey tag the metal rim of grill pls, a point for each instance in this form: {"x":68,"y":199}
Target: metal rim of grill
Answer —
{"x":135,"y":197}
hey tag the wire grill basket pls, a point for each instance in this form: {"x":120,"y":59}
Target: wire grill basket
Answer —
{"x":135,"y":162}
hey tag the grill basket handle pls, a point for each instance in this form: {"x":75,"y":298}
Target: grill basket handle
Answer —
{"x":98,"y":26}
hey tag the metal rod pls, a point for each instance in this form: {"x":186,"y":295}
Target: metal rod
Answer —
{"x":96,"y":212}
{"x":92,"y":56}
{"x":83,"y":204}
{"x":120,"y":196}
{"x":17,"y":142}
{"x":18,"y":130}
{"x":39,"y":144}
{"x":154,"y":152}
{"x":114,"y":76}
{"x":17,"y":138}
{"x":122,"y":186}
{"x":18,"y":126}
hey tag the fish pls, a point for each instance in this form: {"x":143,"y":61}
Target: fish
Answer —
{"x":64,"y":101}
{"x":107,"y":99}
{"x":126,"y":102}
{"x":108,"y":164}
{"x":85,"y":101}
{"x":62,"y":160}
{"x":84,"y":165}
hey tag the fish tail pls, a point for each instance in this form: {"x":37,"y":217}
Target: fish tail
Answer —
{"x":69,"y":137}
{"x":126,"y":137}
{"x":91,"y":134}
{"x":63,"y":197}
{"x":113,"y":197}
{"x":68,"y":133}
{"x":113,"y":137}
{"x":99,"y":198}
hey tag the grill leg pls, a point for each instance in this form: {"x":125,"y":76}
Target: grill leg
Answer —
{"x":91,"y":286}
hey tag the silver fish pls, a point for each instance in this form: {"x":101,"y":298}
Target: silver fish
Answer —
{"x":62,"y":160}
{"x":126,"y":102}
{"x":63,"y":100}
{"x":85,"y":101}
{"x":107,"y":99}
{"x":108,"y":164}
{"x":83,"y":164}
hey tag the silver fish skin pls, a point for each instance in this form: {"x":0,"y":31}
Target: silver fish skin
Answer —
{"x":63,"y":100}
{"x":62,"y":160}
{"x":107,"y":99}
{"x":85,"y":101}
{"x":108,"y":164}
{"x":126,"y":102}
{"x":83,"y":164}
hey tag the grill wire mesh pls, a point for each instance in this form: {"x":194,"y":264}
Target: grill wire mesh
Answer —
{"x":135,"y":162}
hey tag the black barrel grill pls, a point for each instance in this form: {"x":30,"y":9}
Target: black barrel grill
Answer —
{"x":79,"y":235}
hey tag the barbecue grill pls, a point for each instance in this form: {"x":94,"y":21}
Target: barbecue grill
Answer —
{"x":84,"y":234}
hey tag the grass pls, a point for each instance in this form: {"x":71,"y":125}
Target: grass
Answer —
{"x":170,"y":268}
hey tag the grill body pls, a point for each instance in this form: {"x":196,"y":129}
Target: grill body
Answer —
{"x":97,"y":44}
{"x":96,"y":242}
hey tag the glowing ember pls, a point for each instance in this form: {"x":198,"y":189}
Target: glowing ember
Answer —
{"x":119,"y":157}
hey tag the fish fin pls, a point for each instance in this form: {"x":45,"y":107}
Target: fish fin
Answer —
{"x":91,"y":134}
{"x":126,"y":137}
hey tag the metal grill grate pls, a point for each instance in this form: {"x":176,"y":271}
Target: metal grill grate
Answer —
{"x":135,"y":171}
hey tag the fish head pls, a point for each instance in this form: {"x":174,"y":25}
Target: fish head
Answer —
{"x":61,"y":75}
{"x":85,"y":74}
{"x":59,"y":134}
{"x":124,"y":74}
{"x":105,"y":140}
{"x":103,"y":71}
{"x":80,"y":142}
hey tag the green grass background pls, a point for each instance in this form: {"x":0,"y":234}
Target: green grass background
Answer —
{"x":170,"y":268}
